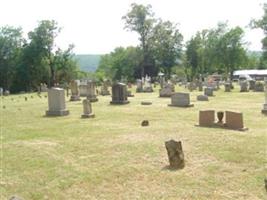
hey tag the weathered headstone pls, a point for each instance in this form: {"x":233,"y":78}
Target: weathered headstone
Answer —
{"x":139,"y":85}
{"x":252,"y":84}
{"x":206,"y":117}
{"x":147,"y":85}
{"x":180,"y":99}
{"x":75,"y":92}
{"x":56,"y":102}
{"x":208,"y":91}
{"x":264,"y":110}
{"x":104,"y":89}
{"x":1,"y":91}
{"x":43,"y":87}
{"x":234,"y":120}
{"x":91,"y":91}
{"x":87,"y":109}
{"x":175,"y":154}
{"x":202,"y":98}
{"x":227,"y":87}
{"x":119,"y":94}
{"x":166,"y":91}
{"x":243,"y":86}
{"x":6,"y":92}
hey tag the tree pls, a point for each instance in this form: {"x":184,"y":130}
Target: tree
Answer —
{"x":262,"y":23}
{"x":166,"y":42}
{"x":11,"y":42}
{"x":141,"y":19}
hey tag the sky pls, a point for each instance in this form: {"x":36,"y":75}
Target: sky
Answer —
{"x":96,"y":27}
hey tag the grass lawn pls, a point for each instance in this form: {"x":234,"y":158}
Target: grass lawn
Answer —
{"x":112,"y":157}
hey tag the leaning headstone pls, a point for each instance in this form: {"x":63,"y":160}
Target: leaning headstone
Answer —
{"x":202,"y":98}
{"x":75,"y":92}
{"x":243,"y":86}
{"x":208,"y":91}
{"x":87,"y":109}
{"x":234,"y":120}
{"x":227,"y":87}
{"x":56,"y":102}
{"x":259,"y":87}
{"x":206,"y":117}
{"x":119,"y":94}
{"x":91,"y":91}
{"x":175,"y":154}
{"x":180,"y":99}
{"x":264,"y":110}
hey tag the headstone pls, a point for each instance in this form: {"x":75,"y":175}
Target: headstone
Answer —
{"x":56,"y":102}
{"x":147,"y":85}
{"x":145,"y":123}
{"x":227,"y":87}
{"x":191,"y":86}
{"x":166,"y":91}
{"x":119,"y":94}
{"x":91,"y":91}
{"x":1,"y":91}
{"x":234,"y":120}
{"x":175,"y":154}
{"x":43,"y":87}
{"x":139,"y":85}
{"x":259,"y":87}
{"x":206,"y":117}
{"x":208,"y":91}
{"x":200,"y":86}
{"x":252,"y":84}
{"x":202,"y":98}
{"x":104,"y":89}
{"x":180,"y":99}
{"x":87,"y":109}
{"x":264,"y":110}
{"x":83,"y":89}
{"x":75,"y":92}
{"x":243,"y":86}
{"x":146,"y":103}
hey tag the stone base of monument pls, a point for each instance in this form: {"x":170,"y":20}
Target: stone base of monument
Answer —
{"x":119,"y":102}
{"x":183,"y":106}
{"x":75,"y":98}
{"x":57,"y":113}
{"x":148,"y":89}
{"x":91,"y":115}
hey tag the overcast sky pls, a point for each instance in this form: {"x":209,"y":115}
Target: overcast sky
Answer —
{"x":96,"y":27}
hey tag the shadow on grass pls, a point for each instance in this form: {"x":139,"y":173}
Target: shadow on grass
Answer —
{"x":169,"y":168}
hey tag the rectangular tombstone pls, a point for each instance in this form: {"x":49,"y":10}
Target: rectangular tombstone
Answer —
{"x":56,"y":102}
{"x":119,"y":94}
{"x":180,"y":99}
{"x":83,"y":89}
{"x":234,"y":120}
{"x":206,"y":117}
{"x":208,"y":91}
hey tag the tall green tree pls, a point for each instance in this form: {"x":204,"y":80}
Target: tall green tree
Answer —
{"x":11,"y":42}
{"x":166,"y":43}
{"x":141,"y":20}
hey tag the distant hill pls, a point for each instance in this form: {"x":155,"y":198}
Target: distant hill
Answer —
{"x":87,"y":62}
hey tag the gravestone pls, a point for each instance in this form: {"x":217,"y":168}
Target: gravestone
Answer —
{"x":264,"y":110}
{"x":259,"y":87}
{"x":6,"y":93}
{"x":206,"y":117}
{"x":166,"y":91}
{"x":145,"y":123}
{"x":83,"y":89}
{"x":75,"y":92}
{"x":243,"y":86}
{"x":202,"y":98}
{"x":139,"y":85}
{"x":1,"y":91}
{"x":208,"y":91}
{"x":43,"y":87}
{"x":119,"y":94}
{"x":104,"y":89}
{"x":147,"y":85}
{"x":234,"y":120}
{"x":191,"y":86}
{"x":227,"y":87}
{"x":87,"y":109}
{"x":91,"y":91}
{"x":180,"y":99}
{"x":56,"y":102}
{"x":252,"y":84}
{"x":200,"y":86}
{"x":175,"y":154}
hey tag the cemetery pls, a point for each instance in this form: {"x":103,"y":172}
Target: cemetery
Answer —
{"x":78,"y":149}
{"x":116,"y":102}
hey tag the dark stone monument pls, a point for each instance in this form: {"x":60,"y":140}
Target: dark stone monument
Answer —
{"x":119,"y":94}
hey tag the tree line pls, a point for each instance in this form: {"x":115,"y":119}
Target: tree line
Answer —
{"x":27,"y":62}
{"x":217,"y":50}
